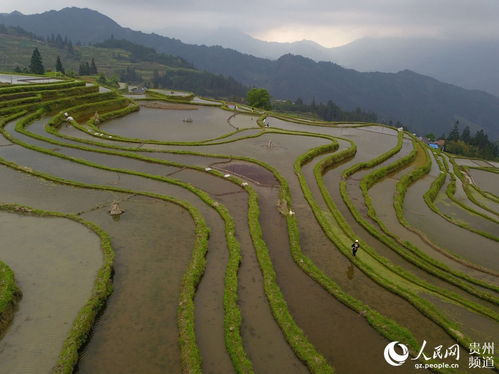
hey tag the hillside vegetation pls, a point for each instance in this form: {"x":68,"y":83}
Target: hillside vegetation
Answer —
{"x":115,"y":58}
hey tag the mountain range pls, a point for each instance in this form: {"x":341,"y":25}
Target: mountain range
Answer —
{"x":423,"y":103}
{"x":469,"y":64}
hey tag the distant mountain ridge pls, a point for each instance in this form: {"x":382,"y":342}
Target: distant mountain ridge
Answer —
{"x":469,"y":64}
{"x":419,"y":101}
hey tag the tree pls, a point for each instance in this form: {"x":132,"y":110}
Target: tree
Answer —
{"x":454,"y":133}
{"x":36,"y":65}
{"x":93,"y":67}
{"x":431,"y":137}
{"x":466,"y":135}
{"x":101,"y":79}
{"x":58,"y":65}
{"x":259,"y":98}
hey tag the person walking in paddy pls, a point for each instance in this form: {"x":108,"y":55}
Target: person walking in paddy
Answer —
{"x":355,"y":247}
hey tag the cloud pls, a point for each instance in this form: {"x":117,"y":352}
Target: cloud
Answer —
{"x":327,"y":21}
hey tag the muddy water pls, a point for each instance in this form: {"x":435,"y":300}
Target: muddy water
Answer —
{"x":249,"y":171}
{"x":244,"y":121}
{"x":275,"y":149}
{"x":485,"y":180}
{"x":475,"y":221}
{"x":169,"y":125}
{"x":487,"y":202}
{"x":280,"y":354}
{"x":353,"y":182}
{"x":137,"y":332}
{"x":55,"y":261}
{"x":259,"y":319}
{"x":28,"y":190}
{"x":463,"y":198}
{"x":149,"y":265}
{"x":4,"y":142}
{"x":171,"y":92}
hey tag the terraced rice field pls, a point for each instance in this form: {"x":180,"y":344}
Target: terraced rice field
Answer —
{"x":233,"y":250}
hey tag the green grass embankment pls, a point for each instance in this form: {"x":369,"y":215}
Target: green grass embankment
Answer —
{"x":451,"y":191}
{"x":9,"y":295}
{"x":39,"y":87}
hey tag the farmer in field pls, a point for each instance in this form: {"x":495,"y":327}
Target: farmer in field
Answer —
{"x":355,"y":247}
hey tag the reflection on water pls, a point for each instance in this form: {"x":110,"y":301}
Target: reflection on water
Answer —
{"x":350,"y":271}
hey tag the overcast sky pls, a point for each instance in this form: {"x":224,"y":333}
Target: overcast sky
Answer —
{"x":328,"y":22}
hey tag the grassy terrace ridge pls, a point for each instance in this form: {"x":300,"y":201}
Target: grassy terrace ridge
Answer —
{"x":467,"y":185}
{"x":39,"y":87}
{"x":295,"y":336}
{"x":343,"y":236}
{"x":458,"y":222}
{"x":9,"y":294}
{"x":489,"y":169}
{"x":450,"y":192}
{"x":368,"y":183}
{"x":405,"y":248}
{"x":467,"y":188}
{"x":110,"y":106}
{"x":451,"y":189}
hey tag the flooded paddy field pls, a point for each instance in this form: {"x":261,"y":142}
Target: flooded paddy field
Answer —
{"x":55,"y":261}
{"x":460,"y":241}
{"x":198,"y":123}
{"x":222,"y":262}
{"x":485,"y":180}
